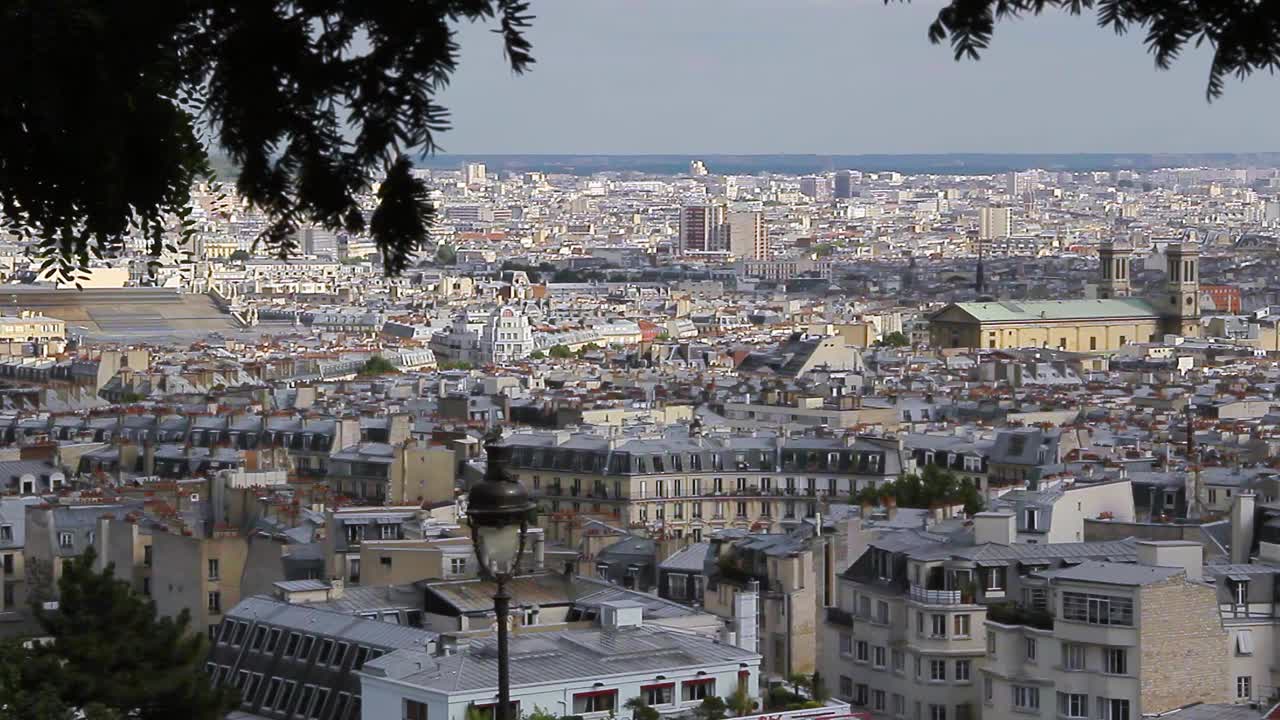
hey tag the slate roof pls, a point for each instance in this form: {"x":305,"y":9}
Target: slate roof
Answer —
{"x":689,"y":559}
{"x":1001,"y":312}
{"x":1111,"y":573}
{"x":560,"y":656}
{"x":317,"y":621}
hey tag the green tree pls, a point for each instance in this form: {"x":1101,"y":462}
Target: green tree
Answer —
{"x":712,"y":707}
{"x":537,"y":355}
{"x":446,"y":255}
{"x":799,"y":683}
{"x":641,"y":710}
{"x":824,"y":250}
{"x":240,"y":256}
{"x":818,"y":688}
{"x":540,"y":713}
{"x":377,"y":365}
{"x":110,"y":654}
{"x":313,"y":102}
{"x":1243,"y":34}
{"x":894,"y":339}
{"x":560,"y":352}
{"x":741,"y":702}
{"x":588,"y":348}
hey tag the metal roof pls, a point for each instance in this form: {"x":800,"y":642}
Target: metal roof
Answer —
{"x":999,"y":312}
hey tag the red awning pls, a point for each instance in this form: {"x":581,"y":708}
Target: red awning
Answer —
{"x":699,"y":681}
{"x":595,"y":693}
{"x":657,"y":686}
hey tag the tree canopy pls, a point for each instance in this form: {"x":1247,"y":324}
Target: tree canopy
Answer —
{"x":108,"y":657}
{"x":110,"y":109}
{"x":1244,"y":34}
{"x":377,"y":365}
{"x":932,"y":486}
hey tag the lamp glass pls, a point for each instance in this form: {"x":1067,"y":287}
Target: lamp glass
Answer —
{"x":499,"y":547}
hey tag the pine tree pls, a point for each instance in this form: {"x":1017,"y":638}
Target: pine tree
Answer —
{"x":110,"y":653}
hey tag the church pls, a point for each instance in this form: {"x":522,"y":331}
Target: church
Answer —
{"x":1108,"y":323}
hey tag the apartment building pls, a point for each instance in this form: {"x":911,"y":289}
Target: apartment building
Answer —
{"x":13,"y":530}
{"x":1123,"y":641}
{"x":297,"y":661}
{"x":691,"y":487}
{"x":908,"y":622}
{"x":787,"y":580}
{"x":395,"y":473}
{"x":585,"y":672}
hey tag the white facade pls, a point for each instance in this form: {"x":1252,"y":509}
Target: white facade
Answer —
{"x":506,"y":337}
{"x":995,"y":222}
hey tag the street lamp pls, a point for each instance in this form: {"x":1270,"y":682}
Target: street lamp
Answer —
{"x":498,"y":509}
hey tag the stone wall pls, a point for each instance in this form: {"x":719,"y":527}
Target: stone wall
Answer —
{"x":1182,"y":645}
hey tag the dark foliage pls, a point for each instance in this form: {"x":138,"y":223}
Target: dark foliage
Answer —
{"x":111,"y":657}
{"x":107,"y":107}
{"x":1244,"y":34}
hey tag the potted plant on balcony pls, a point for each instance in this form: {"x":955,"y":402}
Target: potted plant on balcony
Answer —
{"x":968,"y":592}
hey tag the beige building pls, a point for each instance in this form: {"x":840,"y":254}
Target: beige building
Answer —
{"x":1103,"y":325}
{"x":27,"y":327}
{"x":690,"y":487}
{"x":748,"y":237}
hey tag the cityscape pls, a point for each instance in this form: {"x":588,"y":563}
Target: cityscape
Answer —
{"x":553,"y":360}
{"x":892,"y":445}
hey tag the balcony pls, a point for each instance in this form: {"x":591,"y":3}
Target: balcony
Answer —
{"x":935,"y":597}
{"x":836,"y":616}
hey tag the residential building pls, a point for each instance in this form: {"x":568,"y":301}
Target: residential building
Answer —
{"x":995,"y":222}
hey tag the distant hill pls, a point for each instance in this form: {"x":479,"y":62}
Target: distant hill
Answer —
{"x":943,"y":164}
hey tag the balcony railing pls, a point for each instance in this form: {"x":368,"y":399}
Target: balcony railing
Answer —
{"x":935,"y":597}
{"x":836,"y":616}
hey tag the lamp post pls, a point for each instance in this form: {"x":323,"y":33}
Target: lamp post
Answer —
{"x":498,"y":509}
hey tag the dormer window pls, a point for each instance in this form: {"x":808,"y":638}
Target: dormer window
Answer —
{"x":1031,"y":519}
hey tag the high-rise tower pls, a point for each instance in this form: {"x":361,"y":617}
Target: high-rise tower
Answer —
{"x":1183,"y":279}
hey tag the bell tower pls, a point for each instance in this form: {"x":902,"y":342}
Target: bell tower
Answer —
{"x":1183,"y":287}
{"x":1113,"y":264}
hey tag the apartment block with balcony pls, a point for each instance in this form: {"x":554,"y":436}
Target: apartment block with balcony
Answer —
{"x":692,"y":487}
{"x":906,"y":637}
{"x":1124,"y":641}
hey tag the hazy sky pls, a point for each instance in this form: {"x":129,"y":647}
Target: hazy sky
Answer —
{"x":833,"y":77}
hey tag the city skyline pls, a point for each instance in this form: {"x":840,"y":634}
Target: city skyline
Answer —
{"x":836,"y":78}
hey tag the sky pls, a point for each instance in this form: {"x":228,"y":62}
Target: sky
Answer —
{"x":834,"y":77}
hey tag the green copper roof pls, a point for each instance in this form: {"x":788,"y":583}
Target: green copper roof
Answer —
{"x":1018,"y":311}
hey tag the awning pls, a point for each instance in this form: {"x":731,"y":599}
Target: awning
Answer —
{"x":700,"y":681}
{"x":658,"y":686}
{"x":1237,"y":577}
{"x":595,"y":693}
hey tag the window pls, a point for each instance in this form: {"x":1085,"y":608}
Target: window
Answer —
{"x":259,"y":634}
{"x":988,"y":689}
{"x":861,"y":694}
{"x":697,"y":690}
{"x":877,"y":656}
{"x":273,"y":691}
{"x":882,"y":612}
{"x":414,"y":710}
{"x":899,"y":705}
{"x":995,"y":579}
{"x":877,"y":700}
{"x":1115,"y":661}
{"x":1097,"y":609}
{"x":961,"y":626}
{"x":1026,"y":698}
{"x":251,"y":688}
{"x":340,"y":654}
{"x":273,"y":641}
{"x":65,"y":539}
{"x":213,"y":568}
{"x":1073,"y":657}
{"x":304,"y":700}
{"x":326,"y":650}
{"x":1240,"y":592}
{"x":291,"y":647}
{"x":938,"y":626}
{"x":599,"y":701}
{"x":937,"y":671}
{"x":6,"y":533}
{"x":241,"y":629}
{"x":387,"y":531}
{"x":1031,"y":649}
{"x":963,"y":670}
{"x":340,"y":705}
{"x":215,"y":602}
{"x":285,"y":696}
{"x":362,"y":654}
{"x":305,"y":651}
{"x":863,"y":653}
{"x":991,"y":644}
{"x":662,"y":694}
{"x":899,"y":660}
{"x":457,"y":565}
{"x":1244,"y":642}
{"x":1113,"y":709}
{"x":1244,"y":687}
{"x":1071,"y":705}
{"x":322,"y":697}
{"x":846,"y":686}
{"x":937,"y":712}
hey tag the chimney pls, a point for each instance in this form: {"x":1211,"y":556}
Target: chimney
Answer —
{"x":1242,"y":519}
{"x":446,"y":645}
{"x":745,"y":611}
{"x":1000,"y":528}
{"x":148,"y":457}
{"x":1173,"y":553}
